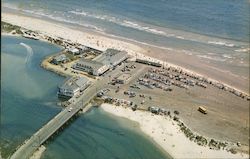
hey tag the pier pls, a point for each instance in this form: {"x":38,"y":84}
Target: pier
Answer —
{"x":43,"y":134}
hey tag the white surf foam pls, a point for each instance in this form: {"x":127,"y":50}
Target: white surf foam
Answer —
{"x":243,"y":50}
{"x":211,"y":58}
{"x":127,"y":23}
{"x":227,"y":56}
{"x":222,"y":43}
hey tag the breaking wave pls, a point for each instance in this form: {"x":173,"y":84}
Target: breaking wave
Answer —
{"x":121,"y":22}
{"x":222,"y":43}
{"x":126,"y":23}
{"x":68,"y":17}
{"x":243,"y":50}
{"x":212,"y":58}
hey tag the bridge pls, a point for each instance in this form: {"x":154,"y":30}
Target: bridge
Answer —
{"x":43,"y":134}
{"x":31,"y":145}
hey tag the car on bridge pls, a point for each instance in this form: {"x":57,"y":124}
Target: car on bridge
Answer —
{"x":69,"y":110}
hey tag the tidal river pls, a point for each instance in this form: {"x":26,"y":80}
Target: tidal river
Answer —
{"x":28,"y":101}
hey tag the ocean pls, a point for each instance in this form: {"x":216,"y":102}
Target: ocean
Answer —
{"x":29,"y":100}
{"x":214,"y":31}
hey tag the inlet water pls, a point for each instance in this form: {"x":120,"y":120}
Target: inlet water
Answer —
{"x":28,"y":97}
{"x":99,"y":135}
{"x":28,"y":101}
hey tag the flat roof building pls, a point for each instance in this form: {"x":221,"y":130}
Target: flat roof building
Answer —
{"x":92,"y":67}
{"x":109,"y":59}
{"x":112,"y":57}
{"x":73,"y":86}
{"x":123,"y":78}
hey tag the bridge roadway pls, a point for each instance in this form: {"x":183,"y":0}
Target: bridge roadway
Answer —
{"x":37,"y":139}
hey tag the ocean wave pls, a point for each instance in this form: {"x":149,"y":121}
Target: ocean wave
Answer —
{"x":142,"y":28}
{"x":119,"y":21}
{"x":90,"y":26}
{"x":67,"y":17}
{"x":61,"y":19}
{"x":227,"y":56}
{"x":212,"y":58}
{"x":126,"y":23}
{"x":79,"y":13}
{"x":180,"y":37}
{"x":222,"y":43}
{"x":243,"y":50}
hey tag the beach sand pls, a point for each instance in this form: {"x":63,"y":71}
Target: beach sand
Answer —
{"x":104,"y":41}
{"x":165,"y":132}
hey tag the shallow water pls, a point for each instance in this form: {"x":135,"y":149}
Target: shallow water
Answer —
{"x":99,"y":135}
{"x":28,"y":101}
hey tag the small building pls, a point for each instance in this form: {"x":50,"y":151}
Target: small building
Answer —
{"x":147,"y":62}
{"x":82,"y":49}
{"x":92,"y":67}
{"x":123,"y":78}
{"x":73,"y":86}
{"x":73,"y":51}
{"x":59,"y":59}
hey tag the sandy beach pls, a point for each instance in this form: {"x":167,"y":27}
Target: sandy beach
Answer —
{"x":166,"y":133}
{"x":102,"y":42}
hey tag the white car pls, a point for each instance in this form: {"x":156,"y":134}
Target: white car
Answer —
{"x":69,"y":110}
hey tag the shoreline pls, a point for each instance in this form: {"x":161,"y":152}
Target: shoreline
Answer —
{"x":218,"y":72}
{"x":166,"y":133}
{"x":102,"y":43}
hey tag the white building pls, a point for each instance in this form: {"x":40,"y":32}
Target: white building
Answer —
{"x":73,"y":86}
{"x":92,"y":67}
{"x":74,"y":51}
{"x":112,"y":57}
{"x":109,"y":59}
